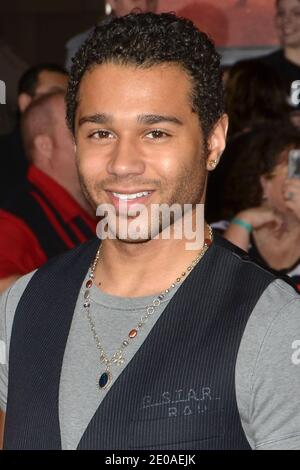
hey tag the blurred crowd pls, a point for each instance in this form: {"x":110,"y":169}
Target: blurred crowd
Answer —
{"x":253,"y":195}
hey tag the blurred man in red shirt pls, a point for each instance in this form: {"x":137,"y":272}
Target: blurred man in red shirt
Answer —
{"x":35,"y":82}
{"x":49,"y":214}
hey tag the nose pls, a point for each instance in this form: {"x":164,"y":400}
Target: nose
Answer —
{"x":126,"y":159}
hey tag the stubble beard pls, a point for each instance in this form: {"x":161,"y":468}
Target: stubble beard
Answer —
{"x":187,"y":189}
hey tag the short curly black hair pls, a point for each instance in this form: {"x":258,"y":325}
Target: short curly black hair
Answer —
{"x":148,"y":39}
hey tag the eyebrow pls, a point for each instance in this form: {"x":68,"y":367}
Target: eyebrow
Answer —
{"x":157,"y":118}
{"x":148,"y":119}
{"x":98,"y":118}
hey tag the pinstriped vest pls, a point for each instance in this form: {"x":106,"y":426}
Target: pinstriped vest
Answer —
{"x":178,"y":391}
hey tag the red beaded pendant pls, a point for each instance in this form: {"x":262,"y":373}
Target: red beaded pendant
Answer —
{"x":132,"y":333}
{"x":89,"y":284}
{"x":207,"y":241}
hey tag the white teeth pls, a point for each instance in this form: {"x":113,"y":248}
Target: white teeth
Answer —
{"x":125,"y":197}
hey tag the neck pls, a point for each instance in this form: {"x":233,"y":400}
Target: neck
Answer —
{"x":141,"y":269}
{"x":293,"y":55}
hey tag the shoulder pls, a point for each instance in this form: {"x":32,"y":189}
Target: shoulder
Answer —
{"x":20,"y":250}
{"x":71,"y":265}
{"x":236,"y":253}
{"x":9,"y":301}
{"x":277,"y":302}
{"x":273,"y":58}
{"x":76,"y":41}
{"x":36,"y":284}
{"x":267,"y":369}
{"x":13,"y":224}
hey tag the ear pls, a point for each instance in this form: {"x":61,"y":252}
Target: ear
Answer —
{"x":24,"y":101}
{"x":43,"y":150}
{"x":217,"y":142}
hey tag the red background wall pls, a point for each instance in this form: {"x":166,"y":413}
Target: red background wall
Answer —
{"x":231,"y":23}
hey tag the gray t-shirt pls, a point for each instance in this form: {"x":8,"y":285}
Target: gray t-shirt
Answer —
{"x":267,"y":368}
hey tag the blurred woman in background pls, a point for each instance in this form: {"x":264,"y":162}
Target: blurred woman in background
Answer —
{"x":265,"y":201}
{"x":254,"y":95}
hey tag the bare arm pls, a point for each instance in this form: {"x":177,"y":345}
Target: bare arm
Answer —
{"x":238,"y":236}
{"x":255,"y":218}
{"x":2,"y":422}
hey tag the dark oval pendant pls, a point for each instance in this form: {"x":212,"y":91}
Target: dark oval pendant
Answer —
{"x":207,"y":241}
{"x":105,"y":380}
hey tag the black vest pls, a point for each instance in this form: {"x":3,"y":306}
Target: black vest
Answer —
{"x":178,"y":391}
{"x":25,"y":206}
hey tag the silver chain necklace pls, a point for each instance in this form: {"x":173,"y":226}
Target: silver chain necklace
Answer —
{"x":105,"y":379}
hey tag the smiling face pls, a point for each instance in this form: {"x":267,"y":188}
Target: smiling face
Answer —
{"x":288,"y":22}
{"x":138,"y":139}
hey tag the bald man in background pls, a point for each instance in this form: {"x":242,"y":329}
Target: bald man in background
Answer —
{"x":35,"y":82}
{"x":49,"y":214}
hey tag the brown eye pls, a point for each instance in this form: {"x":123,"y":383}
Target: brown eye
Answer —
{"x":157,"y":134}
{"x":101,"y":135}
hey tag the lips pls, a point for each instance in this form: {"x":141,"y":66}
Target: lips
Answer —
{"x":126,"y":200}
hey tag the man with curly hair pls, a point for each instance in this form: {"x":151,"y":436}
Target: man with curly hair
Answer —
{"x":141,"y":341}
